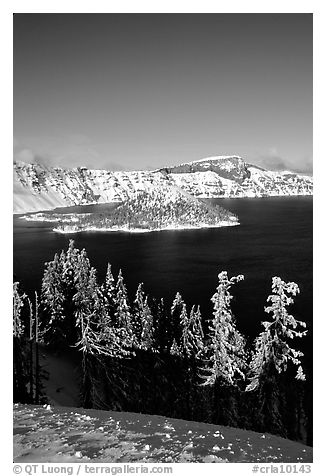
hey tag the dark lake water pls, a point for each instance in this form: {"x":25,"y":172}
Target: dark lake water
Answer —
{"x":274,"y":239}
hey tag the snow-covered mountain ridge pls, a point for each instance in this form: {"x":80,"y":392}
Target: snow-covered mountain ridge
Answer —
{"x":230,"y":167}
{"x":39,"y":187}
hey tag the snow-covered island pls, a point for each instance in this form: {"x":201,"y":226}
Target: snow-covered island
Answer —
{"x":153,"y":211}
{"x":156,"y":210}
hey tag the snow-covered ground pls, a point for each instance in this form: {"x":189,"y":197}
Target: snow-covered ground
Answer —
{"x":66,"y":434}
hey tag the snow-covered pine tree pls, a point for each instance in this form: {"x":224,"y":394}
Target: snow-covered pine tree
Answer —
{"x":185,"y":344}
{"x":52,"y":295}
{"x":162,"y":325}
{"x":97,"y":338}
{"x":176,"y":310}
{"x":147,"y":331}
{"x":175,"y":349}
{"x":39,"y":372}
{"x":96,"y":334}
{"x":142,"y":321}
{"x":123,"y":318}
{"x":61,"y":278}
{"x":137,"y":313}
{"x":31,"y":349}
{"x":89,"y":323}
{"x":272,"y":351}
{"x":276,"y":408}
{"x":189,"y":349}
{"x":225,"y":350}
{"x":193,"y":340}
{"x":20,"y":353}
{"x":18,"y":304}
{"x":70,"y":259}
{"x":88,"y":311}
{"x":107,"y":294}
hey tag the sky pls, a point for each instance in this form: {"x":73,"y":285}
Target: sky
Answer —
{"x":140,"y":91}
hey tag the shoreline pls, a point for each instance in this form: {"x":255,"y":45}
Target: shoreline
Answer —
{"x":122,"y":229}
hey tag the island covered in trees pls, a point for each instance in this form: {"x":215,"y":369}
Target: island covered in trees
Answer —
{"x":145,"y":211}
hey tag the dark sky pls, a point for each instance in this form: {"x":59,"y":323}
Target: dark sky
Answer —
{"x":136,"y":91}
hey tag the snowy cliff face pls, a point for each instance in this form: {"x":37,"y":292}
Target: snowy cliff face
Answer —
{"x":231,"y":168}
{"x":37,"y":187}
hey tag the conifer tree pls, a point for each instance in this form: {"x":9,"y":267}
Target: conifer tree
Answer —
{"x":87,"y":301}
{"x":185,"y":337}
{"x":270,"y":359}
{"x":193,"y":334}
{"x":143,"y":326}
{"x":176,"y":310}
{"x":20,"y":358}
{"x":138,"y":310}
{"x":18,"y":304}
{"x":225,"y":350}
{"x":189,"y":349}
{"x":107,"y":294}
{"x":175,"y":349}
{"x":272,"y":351}
{"x":63,"y":278}
{"x":162,"y":326}
{"x":96,"y":334}
{"x":98,"y":338}
{"x":147,"y":331}
{"x":53,"y":296}
{"x":31,"y":349}
{"x":40,"y":373}
{"x":123,"y":319}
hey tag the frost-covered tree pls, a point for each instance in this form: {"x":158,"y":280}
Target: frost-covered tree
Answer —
{"x":18,"y":304}
{"x":192,"y":333}
{"x":61,"y":280}
{"x":87,"y":297}
{"x":272,"y":350}
{"x":107,"y":293}
{"x":89,"y":310}
{"x":53,"y":294}
{"x":162,"y":325}
{"x":97,"y":338}
{"x":20,"y":352}
{"x":225,"y":350}
{"x":137,"y":312}
{"x":193,"y":336}
{"x":97,"y":335}
{"x":175,"y":349}
{"x":142,"y":321}
{"x":123,"y":317}
{"x":147,"y":333}
{"x":185,"y":345}
{"x":176,"y":310}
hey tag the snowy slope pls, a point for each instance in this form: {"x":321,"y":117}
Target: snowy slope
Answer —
{"x":66,"y":434}
{"x":37,"y":187}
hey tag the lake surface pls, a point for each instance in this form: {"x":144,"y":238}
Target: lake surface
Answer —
{"x":274,"y":239}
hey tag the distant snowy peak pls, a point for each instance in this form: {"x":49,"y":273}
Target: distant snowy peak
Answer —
{"x":229,"y":167}
{"x":217,"y":158}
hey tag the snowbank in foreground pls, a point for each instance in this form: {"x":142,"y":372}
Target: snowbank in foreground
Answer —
{"x":66,"y":434}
